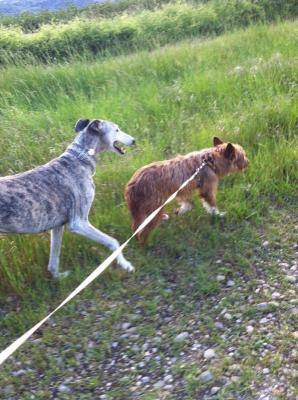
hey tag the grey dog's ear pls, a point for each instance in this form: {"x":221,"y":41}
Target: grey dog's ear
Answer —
{"x":95,"y":126}
{"x":81,"y":124}
{"x":217,"y":141}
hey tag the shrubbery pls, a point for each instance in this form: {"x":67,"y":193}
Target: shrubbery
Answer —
{"x":31,"y":22}
{"x":145,"y":29}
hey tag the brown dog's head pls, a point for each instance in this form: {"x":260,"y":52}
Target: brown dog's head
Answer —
{"x":232,"y":157}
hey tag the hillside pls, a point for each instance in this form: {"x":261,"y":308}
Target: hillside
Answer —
{"x":211,"y":312}
{"x":8,"y":7}
{"x":130,"y":30}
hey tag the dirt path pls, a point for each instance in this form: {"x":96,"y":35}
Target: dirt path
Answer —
{"x":159,"y":339}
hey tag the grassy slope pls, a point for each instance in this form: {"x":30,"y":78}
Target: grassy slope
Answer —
{"x":129,"y":31}
{"x":172,"y":100}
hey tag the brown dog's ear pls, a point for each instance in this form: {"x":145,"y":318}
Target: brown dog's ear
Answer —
{"x":216,"y":141}
{"x":229,"y":151}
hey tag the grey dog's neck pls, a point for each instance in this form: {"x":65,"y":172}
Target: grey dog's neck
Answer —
{"x":80,"y":153}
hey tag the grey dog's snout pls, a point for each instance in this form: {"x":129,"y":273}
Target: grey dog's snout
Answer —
{"x":133,"y":142}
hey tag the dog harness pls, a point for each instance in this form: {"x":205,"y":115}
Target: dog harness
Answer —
{"x":207,"y":161}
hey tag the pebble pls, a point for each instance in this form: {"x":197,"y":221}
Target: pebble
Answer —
{"x":230,"y":283}
{"x":159,"y":385}
{"x":263,"y":320}
{"x":228,"y":316}
{"x":125,"y":325}
{"x":262,"y":306}
{"x":132,"y":329}
{"x":220,"y":278}
{"x":219,"y":325}
{"x":206,"y":376}
{"x":168,"y":378}
{"x":265,"y":243}
{"x":291,"y":278}
{"x":19,"y":372}
{"x":249,"y":329}
{"x":235,"y":378}
{"x":181,"y":337}
{"x":214,"y":390}
{"x":64,"y":389}
{"x":265,"y":371}
{"x":294,"y":310}
{"x":145,"y":379}
{"x":284,"y":264}
{"x":267,"y":306}
{"x":196,"y":346}
{"x":210,"y":353}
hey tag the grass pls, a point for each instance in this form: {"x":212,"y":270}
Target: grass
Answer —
{"x":241,"y":87}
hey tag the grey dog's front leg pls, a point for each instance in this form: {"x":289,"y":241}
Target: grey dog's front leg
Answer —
{"x":84,"y":228}
{"x":56,"y":242}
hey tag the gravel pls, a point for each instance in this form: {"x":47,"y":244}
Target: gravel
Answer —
{"x":220,"y":337}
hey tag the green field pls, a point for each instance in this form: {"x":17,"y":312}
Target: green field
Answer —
{"x":242,"y":87}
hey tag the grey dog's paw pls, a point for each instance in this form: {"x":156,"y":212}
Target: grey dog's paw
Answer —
{"x":127,"y":266}
{"x":62,"y":275}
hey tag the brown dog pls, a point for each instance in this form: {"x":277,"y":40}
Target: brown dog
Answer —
{"x":152,"y":184}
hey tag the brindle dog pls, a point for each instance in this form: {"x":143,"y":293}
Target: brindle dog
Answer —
{"x":62,"y":191}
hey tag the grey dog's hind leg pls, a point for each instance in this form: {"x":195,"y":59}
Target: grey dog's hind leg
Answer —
{"x":56,"y":242}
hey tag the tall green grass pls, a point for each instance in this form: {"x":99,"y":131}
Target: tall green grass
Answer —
{"x":241,"y":87}
{"x":84,"y":37}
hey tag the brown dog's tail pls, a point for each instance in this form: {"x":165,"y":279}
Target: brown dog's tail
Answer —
{"x":134,"y":202}
{"x":140,"y":206}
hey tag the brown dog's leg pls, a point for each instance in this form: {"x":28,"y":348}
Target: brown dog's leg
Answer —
{"x":208,"y":197}
{"x":185,"y":205}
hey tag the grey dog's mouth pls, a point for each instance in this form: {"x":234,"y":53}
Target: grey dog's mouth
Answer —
{"x":118,"y":148}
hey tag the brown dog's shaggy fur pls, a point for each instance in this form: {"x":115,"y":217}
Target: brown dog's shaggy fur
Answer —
{"x":152,"y":184}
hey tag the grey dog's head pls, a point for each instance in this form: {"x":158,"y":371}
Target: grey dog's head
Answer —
{"x":104,"y":135}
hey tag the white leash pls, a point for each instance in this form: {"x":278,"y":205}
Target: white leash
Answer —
{"x":104,"y":265}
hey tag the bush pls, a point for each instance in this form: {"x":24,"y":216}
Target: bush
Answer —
{"x":81,"y":36}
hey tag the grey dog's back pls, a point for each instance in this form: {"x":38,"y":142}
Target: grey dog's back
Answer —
{"x":39,"y":199}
